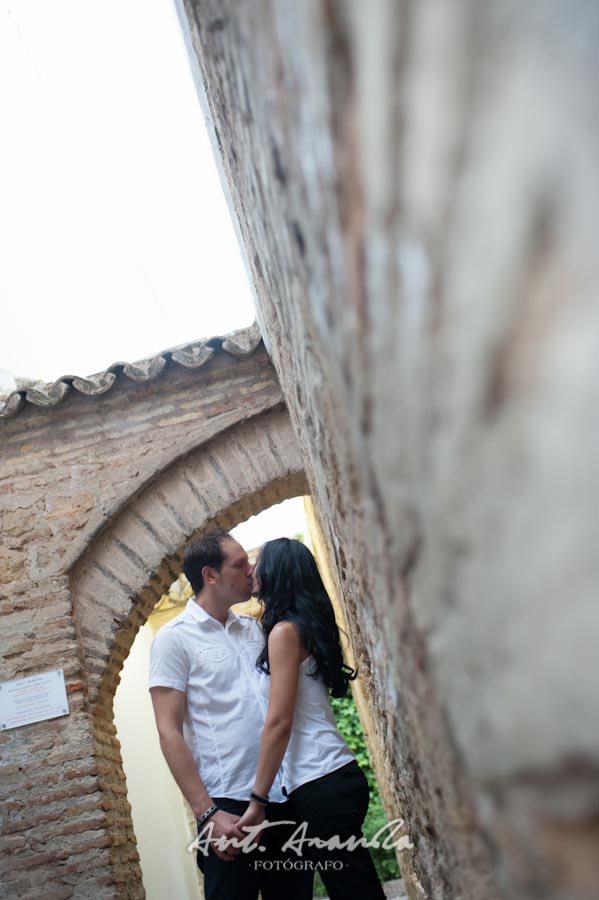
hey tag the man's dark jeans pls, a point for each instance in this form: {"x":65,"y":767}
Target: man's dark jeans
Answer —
{"x":271,"y":871}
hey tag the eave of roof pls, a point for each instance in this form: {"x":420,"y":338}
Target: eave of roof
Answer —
{"x":191,"y":356}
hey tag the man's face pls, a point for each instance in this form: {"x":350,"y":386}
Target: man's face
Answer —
{"x":235,"y":575}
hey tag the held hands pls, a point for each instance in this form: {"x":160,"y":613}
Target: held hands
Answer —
{"x":223,"y":827}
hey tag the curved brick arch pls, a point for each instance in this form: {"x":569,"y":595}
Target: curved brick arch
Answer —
{"x":124,"y":572}
{"x":102,"y":483}
{"x":101,"y":486}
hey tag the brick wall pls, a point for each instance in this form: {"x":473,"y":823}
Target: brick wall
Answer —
{"x":414,"y":184}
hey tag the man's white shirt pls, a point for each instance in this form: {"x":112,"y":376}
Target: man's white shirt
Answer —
{"x":215,"y":667}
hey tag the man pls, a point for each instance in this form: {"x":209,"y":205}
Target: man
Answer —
{"x":210,"y":713}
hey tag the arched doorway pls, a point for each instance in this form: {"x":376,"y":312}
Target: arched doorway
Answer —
{"x":123,"y":573}
{"x":163,"y":822}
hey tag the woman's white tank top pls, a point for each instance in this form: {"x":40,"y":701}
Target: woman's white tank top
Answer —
{"x":315,"y":746}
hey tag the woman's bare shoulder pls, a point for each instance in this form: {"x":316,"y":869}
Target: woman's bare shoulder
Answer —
{"x":285,"y":632}
{"x":285,"y":636}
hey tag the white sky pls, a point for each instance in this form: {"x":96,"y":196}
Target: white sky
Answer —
{"x":283,"y":520}
{"x":115,"y":237}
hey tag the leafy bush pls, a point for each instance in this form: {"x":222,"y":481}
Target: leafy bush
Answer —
{"x":348,"y":724}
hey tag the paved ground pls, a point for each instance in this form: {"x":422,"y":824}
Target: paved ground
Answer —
{"x":394,"y":890}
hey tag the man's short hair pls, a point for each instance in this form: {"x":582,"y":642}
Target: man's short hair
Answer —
{"x":208,"y":551}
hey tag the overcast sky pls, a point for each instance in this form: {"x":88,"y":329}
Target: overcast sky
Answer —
{"x":116,"y":240}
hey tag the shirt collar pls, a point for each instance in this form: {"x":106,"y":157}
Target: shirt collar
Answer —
{"x":199,"y":614}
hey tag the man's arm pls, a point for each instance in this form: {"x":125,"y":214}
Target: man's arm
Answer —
{"x":169,"y":710}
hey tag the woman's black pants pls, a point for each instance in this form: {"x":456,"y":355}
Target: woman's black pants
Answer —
{"x":336,"y":804}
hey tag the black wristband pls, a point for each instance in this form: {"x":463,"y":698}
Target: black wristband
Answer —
{"x":207,"y":814}
{"x":263,"y":801}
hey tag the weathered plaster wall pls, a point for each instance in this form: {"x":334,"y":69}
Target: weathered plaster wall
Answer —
{"x":98,"y":496}
{"x":415,"y":188}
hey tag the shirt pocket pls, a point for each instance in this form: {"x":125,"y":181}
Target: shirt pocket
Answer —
{"x":211,"y":653}
{"x":212,"y":667}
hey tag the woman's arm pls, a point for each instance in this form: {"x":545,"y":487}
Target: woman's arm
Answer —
{"x":284,"y":655}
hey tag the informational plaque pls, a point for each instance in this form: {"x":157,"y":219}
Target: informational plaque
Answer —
{"x":33,"y":699}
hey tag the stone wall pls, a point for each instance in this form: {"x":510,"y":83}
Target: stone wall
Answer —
{"x":414,"y":185}
{"x":98,"y":496}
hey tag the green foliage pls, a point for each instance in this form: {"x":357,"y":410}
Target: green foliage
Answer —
{"x":348,"y":724}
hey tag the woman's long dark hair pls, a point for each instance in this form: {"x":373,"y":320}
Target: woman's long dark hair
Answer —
{"x":291,"y":590}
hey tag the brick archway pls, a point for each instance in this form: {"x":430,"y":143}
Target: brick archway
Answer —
{"x":125,"y":570}
{"x":102,"y":482}
{"x":236,"y":475}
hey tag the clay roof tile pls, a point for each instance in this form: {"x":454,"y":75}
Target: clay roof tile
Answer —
{"x":191,"y":356}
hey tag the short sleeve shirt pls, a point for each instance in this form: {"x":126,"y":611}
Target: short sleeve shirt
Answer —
{"x":226,"y":704}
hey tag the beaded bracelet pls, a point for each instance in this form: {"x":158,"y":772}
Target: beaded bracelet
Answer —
{"x":207,"y":814}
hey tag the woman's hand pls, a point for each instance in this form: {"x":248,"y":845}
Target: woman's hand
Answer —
{"x":254,"y":816}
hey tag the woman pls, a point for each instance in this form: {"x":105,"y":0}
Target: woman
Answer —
{"x":303,"y":657}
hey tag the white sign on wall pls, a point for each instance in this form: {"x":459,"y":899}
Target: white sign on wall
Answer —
{"x":33,"y":699}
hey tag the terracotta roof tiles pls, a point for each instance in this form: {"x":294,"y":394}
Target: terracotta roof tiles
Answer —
{"x":191,"y":356}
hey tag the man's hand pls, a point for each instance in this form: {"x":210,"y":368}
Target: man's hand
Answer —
{"x":224,"y":826}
